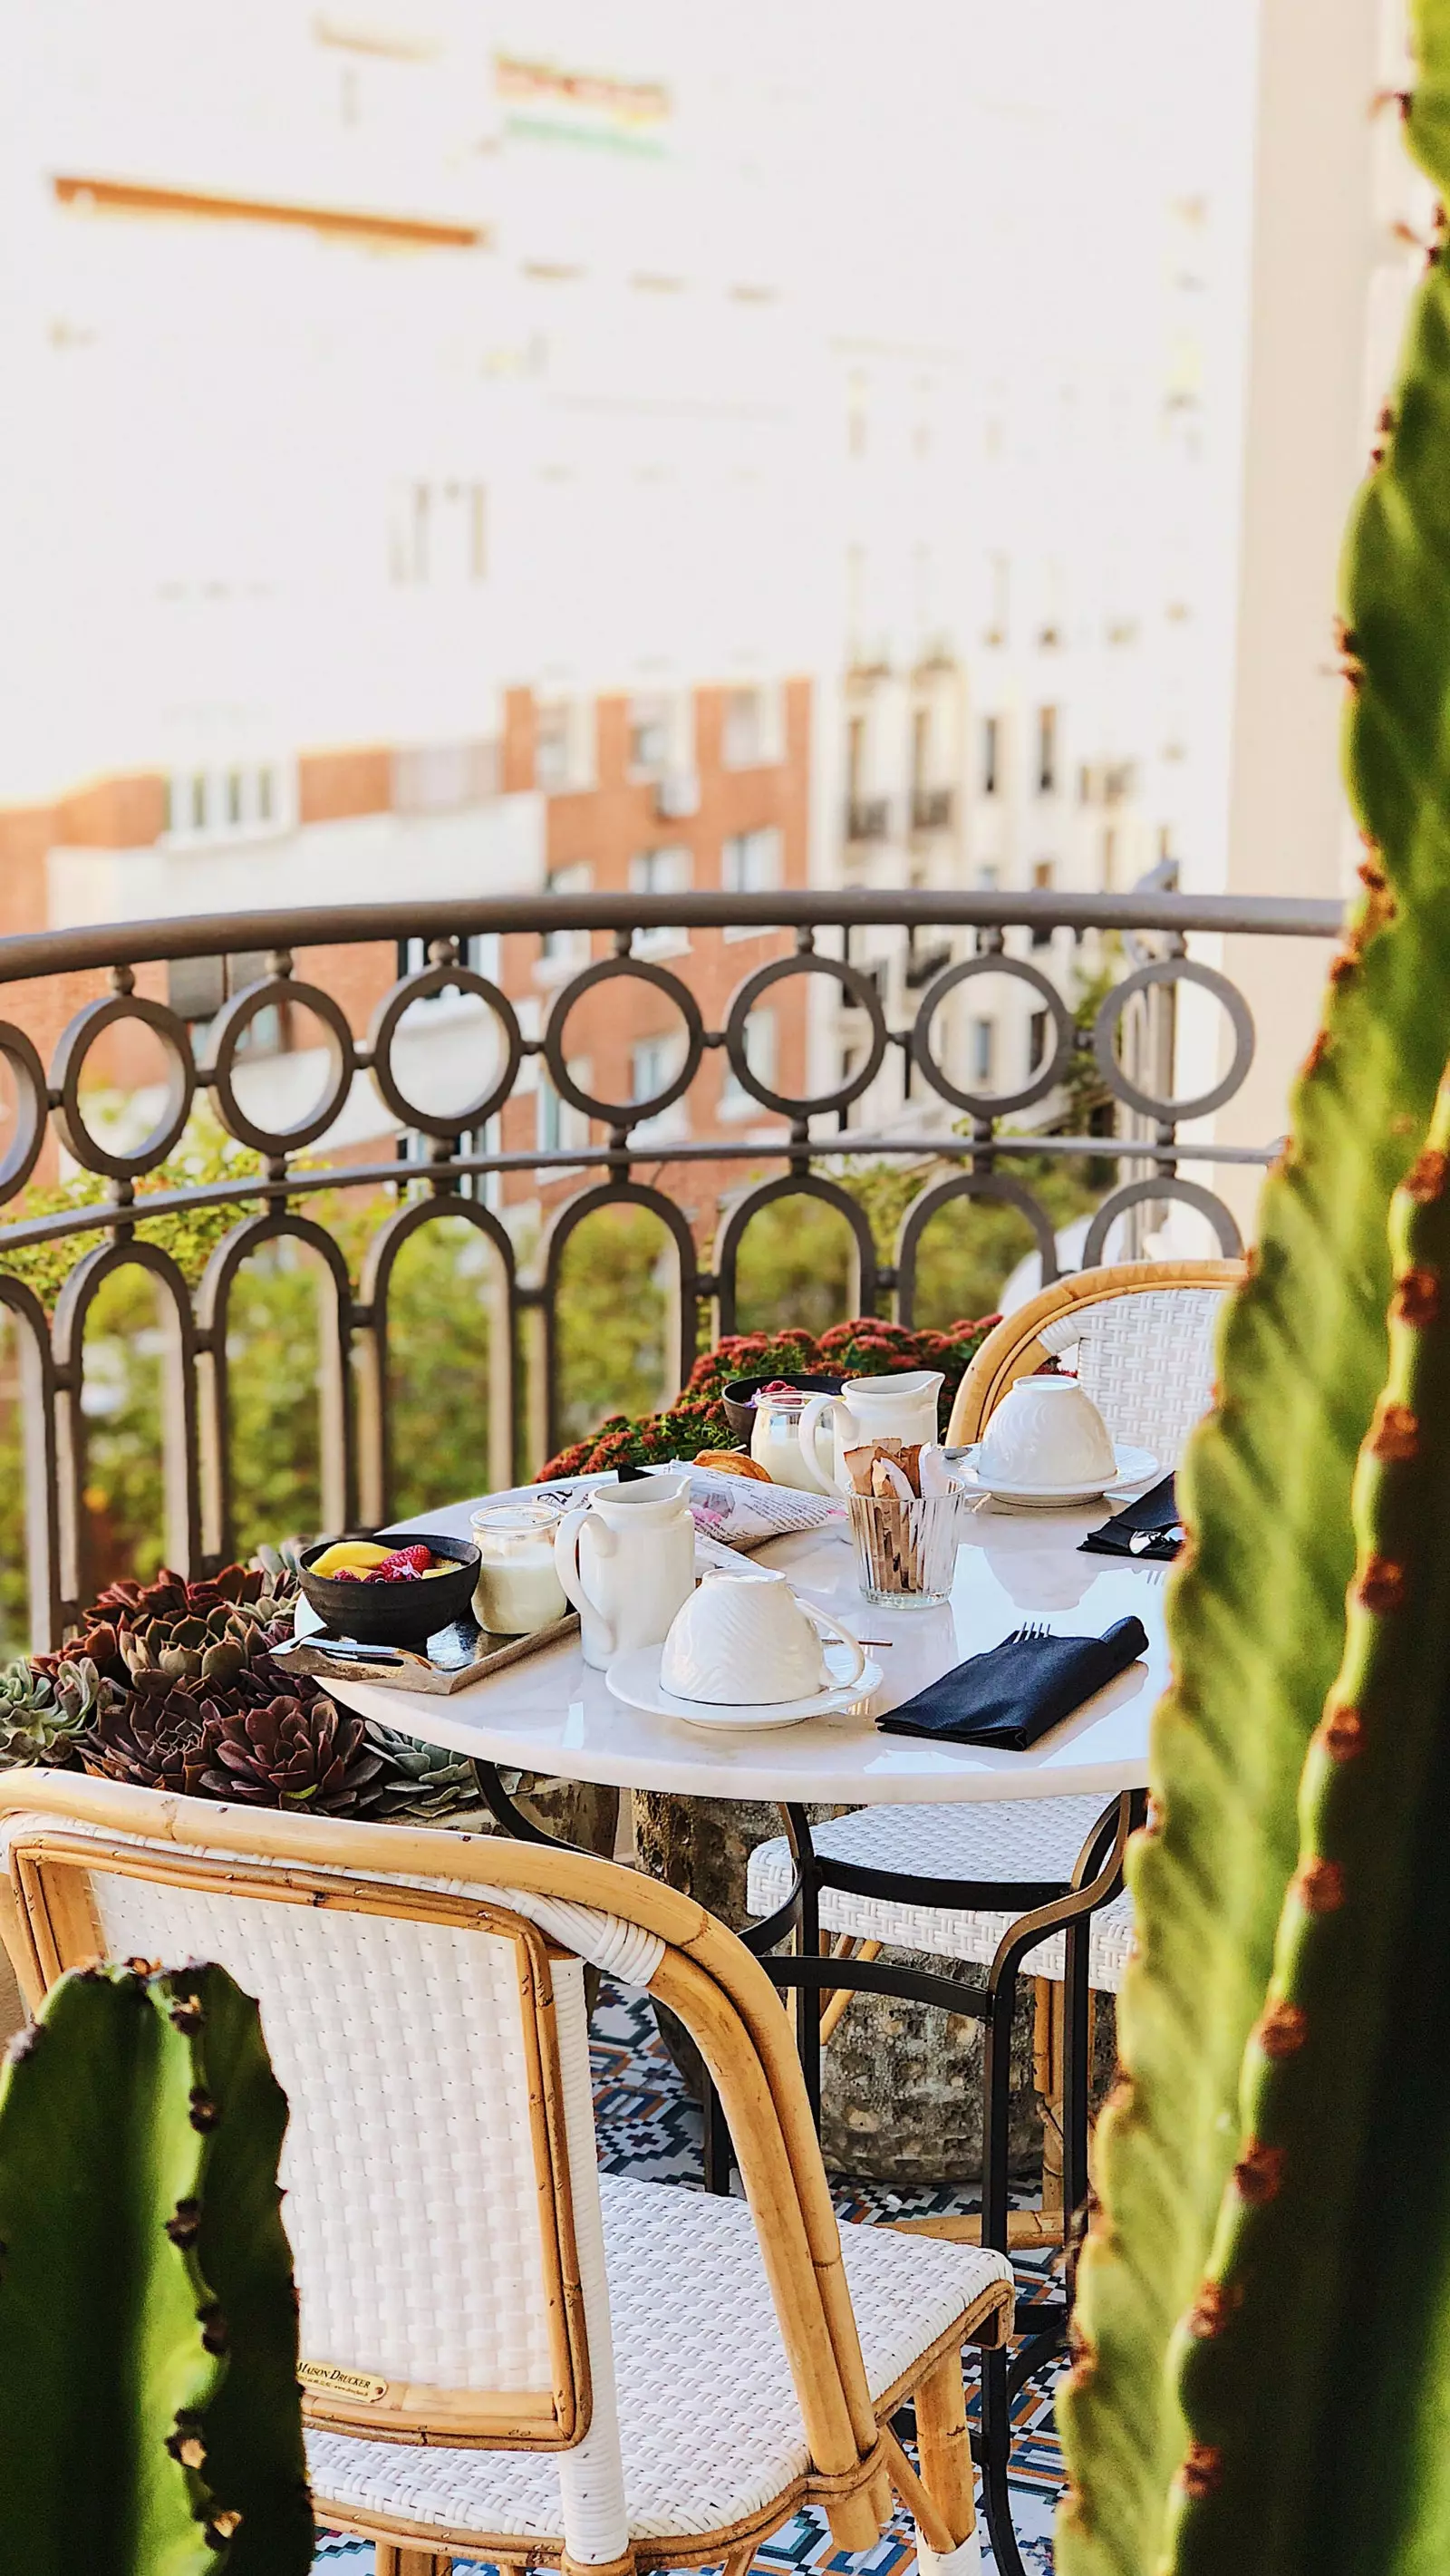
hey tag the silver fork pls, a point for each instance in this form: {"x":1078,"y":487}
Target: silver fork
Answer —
{"x":1029,"y":1632}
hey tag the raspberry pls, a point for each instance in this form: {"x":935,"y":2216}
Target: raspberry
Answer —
{"x":405,"y":1565}
{"x":345,"y":1574}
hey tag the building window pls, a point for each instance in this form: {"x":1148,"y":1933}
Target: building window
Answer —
{"x":1036,"y":1042}
{"x":650,"y":733}
{"x":987,"y":880}
{"x":654,"y":1063}
{"x":1047,"y":751}
{"x":856,"y":759}
{"x":560,"y":1127}
{"x":1042,"y":876}
{"x":437,"y":532}
{"x":1110,"y":857}
{"x":760,"y":1056}
{"x":245,"y":799}
{"x":659,"y":873}
{"x":921,"y":751}
{"x":984,"y":1051}
{"x":562,"y":761}
{"x":561,"y":949}
{"x":752,"y":733}
{"x":991,"y":755}
{"x":750,"y":861}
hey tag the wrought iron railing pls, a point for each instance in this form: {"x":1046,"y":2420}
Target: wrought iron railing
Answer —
{"x":459,"y":1159}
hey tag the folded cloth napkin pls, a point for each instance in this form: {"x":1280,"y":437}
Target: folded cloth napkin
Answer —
{"x":1013,"y":1694}
{"x":1152,"y":1519}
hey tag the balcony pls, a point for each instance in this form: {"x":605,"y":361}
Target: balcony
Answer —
{"x":931,"y":809}
{"x":868,"y":818}
{"x":343,"y":1132}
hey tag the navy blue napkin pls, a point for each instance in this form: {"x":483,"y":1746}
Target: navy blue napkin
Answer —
{"x":1013,"y":1694}
{"x":1156,"y":1513}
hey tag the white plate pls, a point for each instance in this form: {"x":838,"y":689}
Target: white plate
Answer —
{"x":1132,"y":1467}
{"x":635,"y":1678}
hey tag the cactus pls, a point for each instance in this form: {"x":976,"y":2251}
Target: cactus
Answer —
{"x":1311,"y":2363}
{"x":150,"y":2419}
{"x":1258,"y":1623}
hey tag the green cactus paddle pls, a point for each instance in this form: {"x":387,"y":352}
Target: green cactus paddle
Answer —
{"x":1257,"y":1616}
{"x":1313,"y":2361}
{"x":150,"y":2419}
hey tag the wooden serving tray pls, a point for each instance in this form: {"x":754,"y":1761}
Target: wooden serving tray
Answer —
{"x":452,"y":1659}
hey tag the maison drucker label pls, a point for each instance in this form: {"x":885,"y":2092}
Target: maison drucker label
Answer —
{"x":341,"y":2383}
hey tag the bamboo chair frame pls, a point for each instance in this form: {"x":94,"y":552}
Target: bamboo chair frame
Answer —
{"x":733,"y":2013}
{"x":1013,"y":1350}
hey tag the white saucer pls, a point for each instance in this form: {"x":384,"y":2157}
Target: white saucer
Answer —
{"x":635,"y":1678}
{"x":1132,"y":1467}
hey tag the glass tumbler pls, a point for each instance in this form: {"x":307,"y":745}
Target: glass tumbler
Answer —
{"x":906,"y":1552}
{"x":518,"y":1589}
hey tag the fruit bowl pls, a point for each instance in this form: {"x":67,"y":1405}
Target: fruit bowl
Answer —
{"x":394,"y":1614}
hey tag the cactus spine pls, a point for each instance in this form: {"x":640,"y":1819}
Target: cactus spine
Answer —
{"x":1257,"y":1615}
{"x":150,"y":2419}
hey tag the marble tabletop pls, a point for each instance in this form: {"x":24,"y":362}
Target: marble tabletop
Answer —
{"x":553,"y":1714}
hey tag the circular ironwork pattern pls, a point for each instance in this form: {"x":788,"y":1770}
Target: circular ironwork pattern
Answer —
{"x":384,"y":1028}
{"x":219,"y":1063}
{"x":70,"y":1056}
{"x":623,"y":1113}
{"x":31,"y":1107}
{"x":858,"y":989}
{"x":1187,"y":1193}
{"x":1173,"y":970}
{"x":992,"y":1104}
{"x":998,"y":1189}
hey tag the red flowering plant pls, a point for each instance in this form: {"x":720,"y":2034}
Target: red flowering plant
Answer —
{"x":865,"y":1347}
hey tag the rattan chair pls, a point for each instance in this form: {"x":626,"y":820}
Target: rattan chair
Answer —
{"x":1142,"y":1334}
{"x":507,"y":2355}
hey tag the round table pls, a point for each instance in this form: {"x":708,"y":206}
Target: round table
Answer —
{"x":552,"y":1713}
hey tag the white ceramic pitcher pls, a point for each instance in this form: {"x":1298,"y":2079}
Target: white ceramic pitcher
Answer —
{"x":626,"y":1559}
{"x":867,"y":1408}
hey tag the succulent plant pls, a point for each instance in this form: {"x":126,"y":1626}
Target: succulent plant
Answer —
{"x":151,"y":1736}
{"x":43,"y":1715}
{"x":293,"y":1753}
{"x":1254,"y":2241}
{"x":426,"y":1782}
{"x":203,"y":1634}
{"x":150,"y":2416}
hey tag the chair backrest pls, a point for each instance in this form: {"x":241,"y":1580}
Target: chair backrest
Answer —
{"x":422,"y":1998}
{"x":1143,"y":1336}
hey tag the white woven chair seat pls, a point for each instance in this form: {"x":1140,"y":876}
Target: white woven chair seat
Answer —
{"x":1018,"y":1838}
{"x":709,"y":2425}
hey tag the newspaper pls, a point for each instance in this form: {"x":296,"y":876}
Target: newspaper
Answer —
{"x":736,"y":1513}
{"x":732,"y":1514}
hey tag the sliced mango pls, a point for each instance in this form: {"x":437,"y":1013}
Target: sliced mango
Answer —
{"x":350,"y":1556}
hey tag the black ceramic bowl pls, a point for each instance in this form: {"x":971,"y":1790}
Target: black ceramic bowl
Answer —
{"x":394,"y":1614}
{"x":739,"y":1394}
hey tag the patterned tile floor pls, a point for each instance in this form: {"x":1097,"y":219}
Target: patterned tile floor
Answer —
{"x":649,"y":2127}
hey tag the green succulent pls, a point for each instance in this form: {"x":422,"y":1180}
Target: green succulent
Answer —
{"x":426,"y":1782}
{"x":44,"y":1717}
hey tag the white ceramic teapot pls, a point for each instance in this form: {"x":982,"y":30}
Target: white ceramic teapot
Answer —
{"x":746,"y":1640}
{"x":868,"y":1408}
{"x":626,"y":1559}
